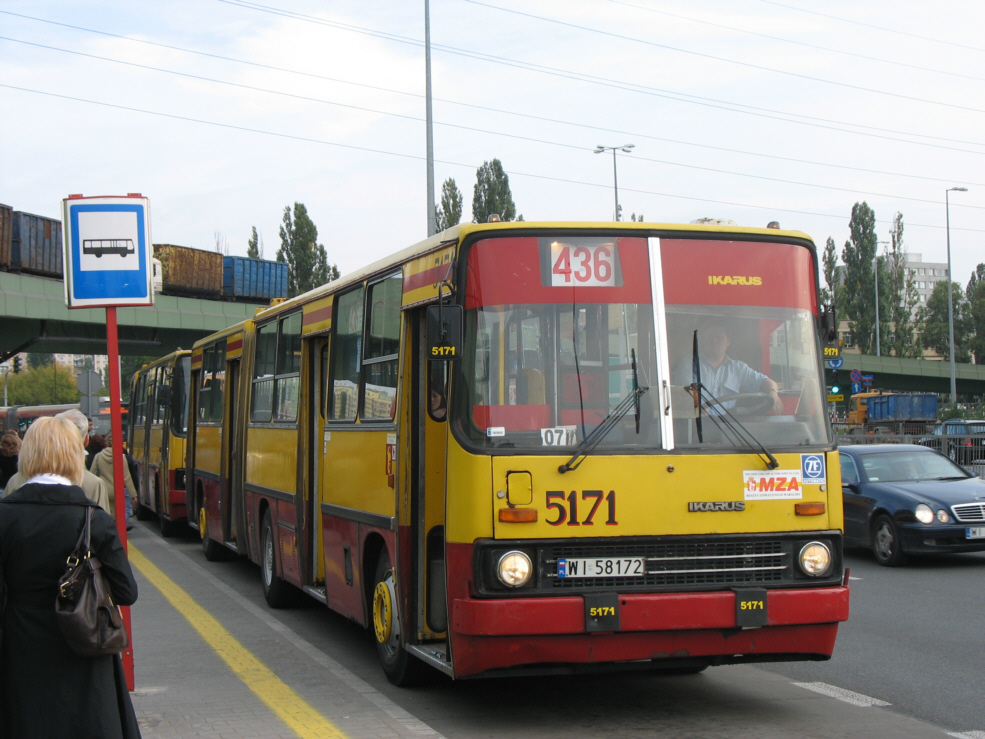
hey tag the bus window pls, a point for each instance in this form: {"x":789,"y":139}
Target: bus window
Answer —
{"x":288,"y":368}
{"x":382,"y":342}
{"x":345,"y":356}
{"x":213,"y":376}
{"x":551,"y":361}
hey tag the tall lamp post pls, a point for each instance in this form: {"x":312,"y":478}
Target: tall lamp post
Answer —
{"x":950,"y":302}
{"x":615,"y":180}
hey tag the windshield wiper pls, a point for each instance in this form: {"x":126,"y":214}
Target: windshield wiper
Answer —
{"x":731,"y":426}
{"x":608,"y":423}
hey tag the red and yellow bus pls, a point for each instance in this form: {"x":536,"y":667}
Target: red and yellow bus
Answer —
{"x":508,"y":447}
{"x":158,"y":431}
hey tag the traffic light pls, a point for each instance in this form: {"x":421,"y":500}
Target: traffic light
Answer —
{"x":17,"y":364}
{"x":835,"y":388}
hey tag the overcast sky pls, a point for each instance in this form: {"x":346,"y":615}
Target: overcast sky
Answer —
{"x":223,"y":112}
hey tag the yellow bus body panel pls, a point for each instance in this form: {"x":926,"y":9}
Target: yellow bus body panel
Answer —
{"x":271,"y":458}
{"x":356,"y":471}
{"x":651,"y":496}
{"x":208,"y":449}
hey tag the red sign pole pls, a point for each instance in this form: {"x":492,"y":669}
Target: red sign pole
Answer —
{"x":120,"y":496}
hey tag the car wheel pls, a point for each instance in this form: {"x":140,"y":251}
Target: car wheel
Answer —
{"x":276,"y":591}
{"x":886,"y":542}
{"x":400,"y":668}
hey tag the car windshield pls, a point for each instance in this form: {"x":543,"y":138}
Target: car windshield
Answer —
{"x":908,"y":466}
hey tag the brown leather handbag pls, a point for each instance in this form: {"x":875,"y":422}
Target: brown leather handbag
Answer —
{"x":89,"y":620}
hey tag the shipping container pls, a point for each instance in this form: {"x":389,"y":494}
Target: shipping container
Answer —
{"x":191,"y":272}
{"x":253,"y":279}
{"x":35,"y":245}
{"x":903,"y":407}
{"x":6,"y":234}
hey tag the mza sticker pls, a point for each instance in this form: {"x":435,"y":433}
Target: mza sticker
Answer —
{"x":772,"y":485}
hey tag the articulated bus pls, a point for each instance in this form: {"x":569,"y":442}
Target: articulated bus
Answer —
{"x":158,"y":431}
{"x":512,"y":447}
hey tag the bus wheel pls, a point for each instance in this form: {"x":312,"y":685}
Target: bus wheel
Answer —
{"x":169,"y":528}
{"x":278,"y":592}
{"x":400,"y":668}
{"x":143,"y":513}
{"x":214,"y":551}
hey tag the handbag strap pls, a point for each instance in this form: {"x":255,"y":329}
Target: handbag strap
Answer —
{"x":81,"y":550}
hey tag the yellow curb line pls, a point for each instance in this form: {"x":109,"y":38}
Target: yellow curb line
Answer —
{"x":287,"y":705}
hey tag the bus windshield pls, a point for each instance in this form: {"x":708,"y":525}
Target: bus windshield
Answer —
{"x":560,"y":330}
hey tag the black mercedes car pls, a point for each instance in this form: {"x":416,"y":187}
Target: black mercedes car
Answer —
{"x":903,"y":499}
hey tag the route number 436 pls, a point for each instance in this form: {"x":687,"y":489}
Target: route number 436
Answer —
{"x":582,"y":265}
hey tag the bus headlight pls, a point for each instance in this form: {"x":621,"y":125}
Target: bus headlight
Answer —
{"x":924,"y":513}
{"x":815,"y":559}
{"x":514,"y":569}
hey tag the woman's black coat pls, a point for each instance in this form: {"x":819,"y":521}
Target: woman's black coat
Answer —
{"x":45,"y":689}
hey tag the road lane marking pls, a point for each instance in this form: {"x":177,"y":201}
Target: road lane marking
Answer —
{"x":969,"y":735}
{"x":404,"y":719}
{"x":287,"y":705}
{"x":848,"y":696}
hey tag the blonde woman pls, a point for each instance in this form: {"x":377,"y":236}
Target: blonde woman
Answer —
{"x":46,"y":690}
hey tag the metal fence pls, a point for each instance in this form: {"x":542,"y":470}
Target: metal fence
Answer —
{"x":966,"y":450}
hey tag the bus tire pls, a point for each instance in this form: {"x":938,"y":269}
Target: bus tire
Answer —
{"x":276,"y":591}
{"x":143,"y":513}
{"x":169,"y":528}
{"x":401,"y":668}
{"x":213,"y":550}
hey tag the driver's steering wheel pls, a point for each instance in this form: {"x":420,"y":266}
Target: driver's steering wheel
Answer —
{"x":760,"y":403}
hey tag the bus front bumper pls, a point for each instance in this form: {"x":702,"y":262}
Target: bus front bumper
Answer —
{"x":501,"y":633}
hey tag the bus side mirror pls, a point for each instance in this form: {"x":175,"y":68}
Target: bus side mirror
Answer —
{"x":444,"y":332}
{"x":829,"y":324}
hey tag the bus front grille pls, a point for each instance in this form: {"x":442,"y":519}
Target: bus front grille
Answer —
{"x":678,"y":565}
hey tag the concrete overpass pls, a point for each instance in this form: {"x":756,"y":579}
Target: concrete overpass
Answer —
{"x":34,"y":318}
{"x":911,"y":375}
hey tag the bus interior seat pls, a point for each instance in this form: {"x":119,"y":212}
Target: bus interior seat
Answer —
{"x":536,"y":387}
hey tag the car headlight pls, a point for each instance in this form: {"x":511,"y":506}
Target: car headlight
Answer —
{"x":943,"y":516}
{"x":815,"y":559}
{"x":514,"y":569}
{"x":924,"y":513}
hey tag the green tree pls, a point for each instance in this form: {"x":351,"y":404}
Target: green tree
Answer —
{"x":35,"y":360}
{"x":857,"y":300}
{"x":829,"y":260}
{"x":449,"y":211}
{"x":975,"y":294}
{"x":307,"y":261}
{"x":933,"y":320}
{"x":492,"y":194}
{"x":48,"y":385}
{"x":254,"y":247}
{"x":637,"y":219}
{"x":128,"y":367}
{"x":902,"y":297}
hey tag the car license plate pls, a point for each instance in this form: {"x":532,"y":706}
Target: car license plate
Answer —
{"x":569,"y":567}
{"x":974,"y":532}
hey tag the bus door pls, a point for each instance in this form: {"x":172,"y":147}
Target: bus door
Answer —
{"x":313,"y":571}
{"x":232,"y":484}
{"x":428,"y":442}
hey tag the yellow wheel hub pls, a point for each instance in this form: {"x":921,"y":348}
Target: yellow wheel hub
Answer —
{"x":382,"y":612}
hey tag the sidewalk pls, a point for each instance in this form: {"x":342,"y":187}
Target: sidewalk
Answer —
{"x":238,"y":671}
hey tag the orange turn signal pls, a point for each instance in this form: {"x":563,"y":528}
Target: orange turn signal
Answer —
{"x":809,"y":509}
{"x":517,"y":515}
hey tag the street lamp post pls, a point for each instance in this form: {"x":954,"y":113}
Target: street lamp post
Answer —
{"x":950,"y":301}
{"x":615,"y":180}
